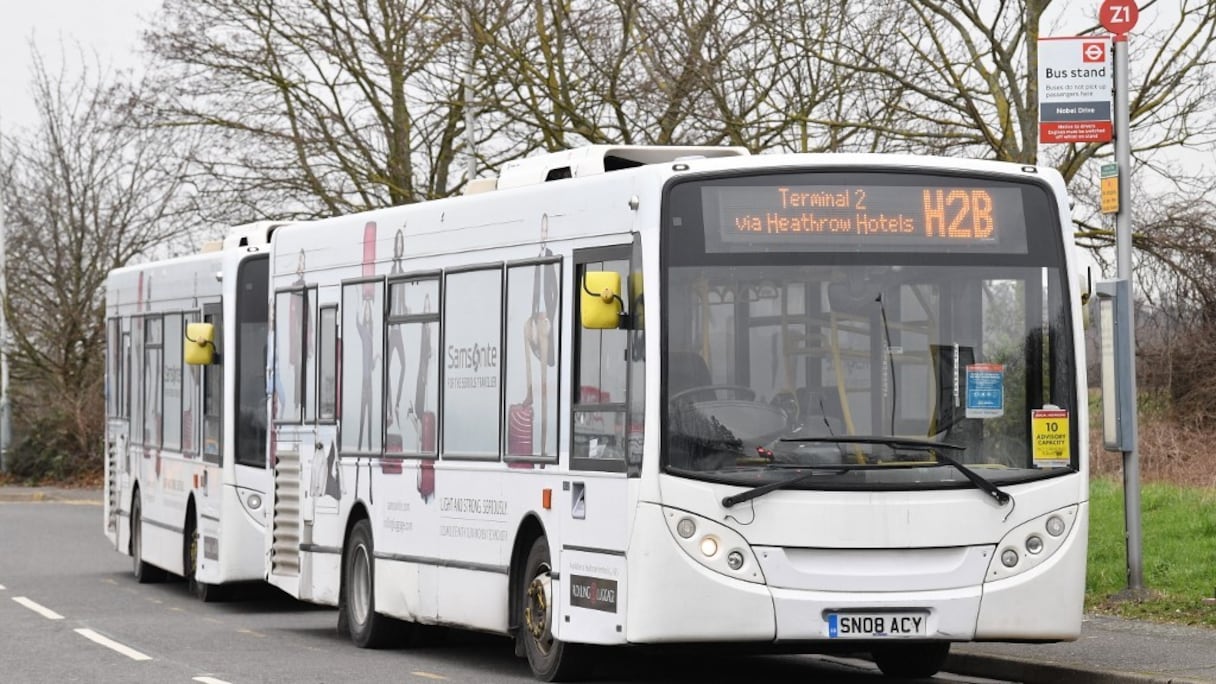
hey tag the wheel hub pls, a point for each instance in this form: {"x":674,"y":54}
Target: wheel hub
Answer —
{"x":536,"y":613}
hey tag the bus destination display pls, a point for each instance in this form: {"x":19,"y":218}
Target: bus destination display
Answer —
{"x":864,"y":217}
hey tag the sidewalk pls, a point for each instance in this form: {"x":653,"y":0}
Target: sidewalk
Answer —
{"x":16,"y":493}
{"x":1110,"y":650}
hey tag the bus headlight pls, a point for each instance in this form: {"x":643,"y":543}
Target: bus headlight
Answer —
{"x":1009,"y":557}
{"x":1031,"y":543}
{"x":1055,"y":526}
{"x":705,"y":541}
{"x":686,"y":528}
{"x":1034,"y":544}
{"x":253,"y":503}
{"x":734,"y":559}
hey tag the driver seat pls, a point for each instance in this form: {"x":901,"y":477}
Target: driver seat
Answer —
{"x":686,"y":370}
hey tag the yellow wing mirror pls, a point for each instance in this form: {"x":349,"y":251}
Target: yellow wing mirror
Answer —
{"x":199,"y":349}
{"x":600,"y":301}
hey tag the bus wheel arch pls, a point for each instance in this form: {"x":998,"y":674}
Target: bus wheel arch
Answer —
{"x":551,"y":659}
{"x":357,"y":614}
{"x":357,"y":512}
{"x":145,"y":573}
{"x":191,"y":538}
{"x":530,"y":529}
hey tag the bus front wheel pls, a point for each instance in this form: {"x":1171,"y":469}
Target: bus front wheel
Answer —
{"x":368,"y":629}
{"x":912,"y":660}
{"x":551,"y":659}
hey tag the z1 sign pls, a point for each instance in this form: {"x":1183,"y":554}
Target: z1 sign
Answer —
{"x":1119,"y":16}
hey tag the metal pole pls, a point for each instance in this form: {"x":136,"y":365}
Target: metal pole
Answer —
{"x":5,"y":431}
{"x":1123,"y":242}
{"x":470,"y":117}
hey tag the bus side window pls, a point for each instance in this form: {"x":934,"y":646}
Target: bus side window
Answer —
{"x":310,"y":355}
{"x":191,"y":387}
{"x":412,"y":361}
{"x":327,"y":365}
{"x":136,"y":379}
{"x":599,"y":420}
{"x":634,"y":427}
{"x":124,"y":387}
{"x":153,"y":374}
{"x":362,"y":399}
{"x":533,"y":328}
{"x":171,"y":394}
{"x":289,"y":355}
{"x":472,"y":364}
{"x":113,"y":372}
{"x":213,"y":390}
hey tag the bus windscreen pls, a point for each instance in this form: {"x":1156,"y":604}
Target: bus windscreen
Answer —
{"x":864,"y":212}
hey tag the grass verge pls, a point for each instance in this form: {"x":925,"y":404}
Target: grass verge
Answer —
{"x":1179,"y":551}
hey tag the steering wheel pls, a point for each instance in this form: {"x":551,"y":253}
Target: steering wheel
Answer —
{"x":745,"y":393}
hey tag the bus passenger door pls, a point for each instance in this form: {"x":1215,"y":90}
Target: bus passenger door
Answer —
{"x":249,"y":391}
{"x":117,"y":476}
{"x":293,"y":426}
{"x":595,"y":504}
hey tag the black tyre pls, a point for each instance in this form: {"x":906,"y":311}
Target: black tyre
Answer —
{"x":913,"y":660}
{"x":207,"y":593}
{"x":368,"y":629}
{"x":145,"y":573}
{"x":551,"y":659}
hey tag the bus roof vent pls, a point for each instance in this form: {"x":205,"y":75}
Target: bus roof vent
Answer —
{"x":480,"y":185}
{"x":596,"y":159}
{"x":246,"y":234}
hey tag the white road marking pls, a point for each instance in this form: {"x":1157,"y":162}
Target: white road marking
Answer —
{"x":1,"y":587}
{"x":41,"y":610}
{"x":112,"y":645}
{"x":209,"y":680}
{"x":428,"y":675}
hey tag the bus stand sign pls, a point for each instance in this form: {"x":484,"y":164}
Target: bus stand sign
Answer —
{"x":1076,"y":78}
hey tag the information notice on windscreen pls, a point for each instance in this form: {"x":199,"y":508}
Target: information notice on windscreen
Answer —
{"x":938,"y":218}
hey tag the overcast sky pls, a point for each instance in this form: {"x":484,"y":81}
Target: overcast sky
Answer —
{"x":110,"y":28}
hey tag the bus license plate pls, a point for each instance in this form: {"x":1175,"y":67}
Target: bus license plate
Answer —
{"x":877,"y":625}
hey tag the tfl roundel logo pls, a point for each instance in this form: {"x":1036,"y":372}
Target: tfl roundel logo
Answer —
{"x":1093,"y":52}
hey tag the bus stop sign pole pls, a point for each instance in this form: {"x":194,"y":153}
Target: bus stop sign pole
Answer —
{"x":1119,"y":17}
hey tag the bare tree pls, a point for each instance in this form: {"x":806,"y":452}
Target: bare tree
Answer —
{"x":87,"y":190}
{"x":316,"y":107}
{"x":678,"y":72}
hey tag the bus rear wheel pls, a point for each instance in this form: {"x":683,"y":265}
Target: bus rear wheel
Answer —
{"x":145,"y":573}
{"x":912,"y":661}
{"x":368,"y":629}
{"x":551,"y":659}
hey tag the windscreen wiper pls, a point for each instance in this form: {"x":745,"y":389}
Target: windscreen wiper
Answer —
{"x":763,"y":489}
{"x":912,"y":444}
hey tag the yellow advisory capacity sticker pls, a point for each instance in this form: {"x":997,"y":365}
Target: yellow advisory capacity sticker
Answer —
{"x":1049,"y":428}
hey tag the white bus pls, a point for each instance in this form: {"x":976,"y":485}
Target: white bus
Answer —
{"x":186,"y":477}
{"x":664,"y":395}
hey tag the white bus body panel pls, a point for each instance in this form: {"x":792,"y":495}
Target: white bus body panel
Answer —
{"x":230,"y":537}
{"x":443,"y":552}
